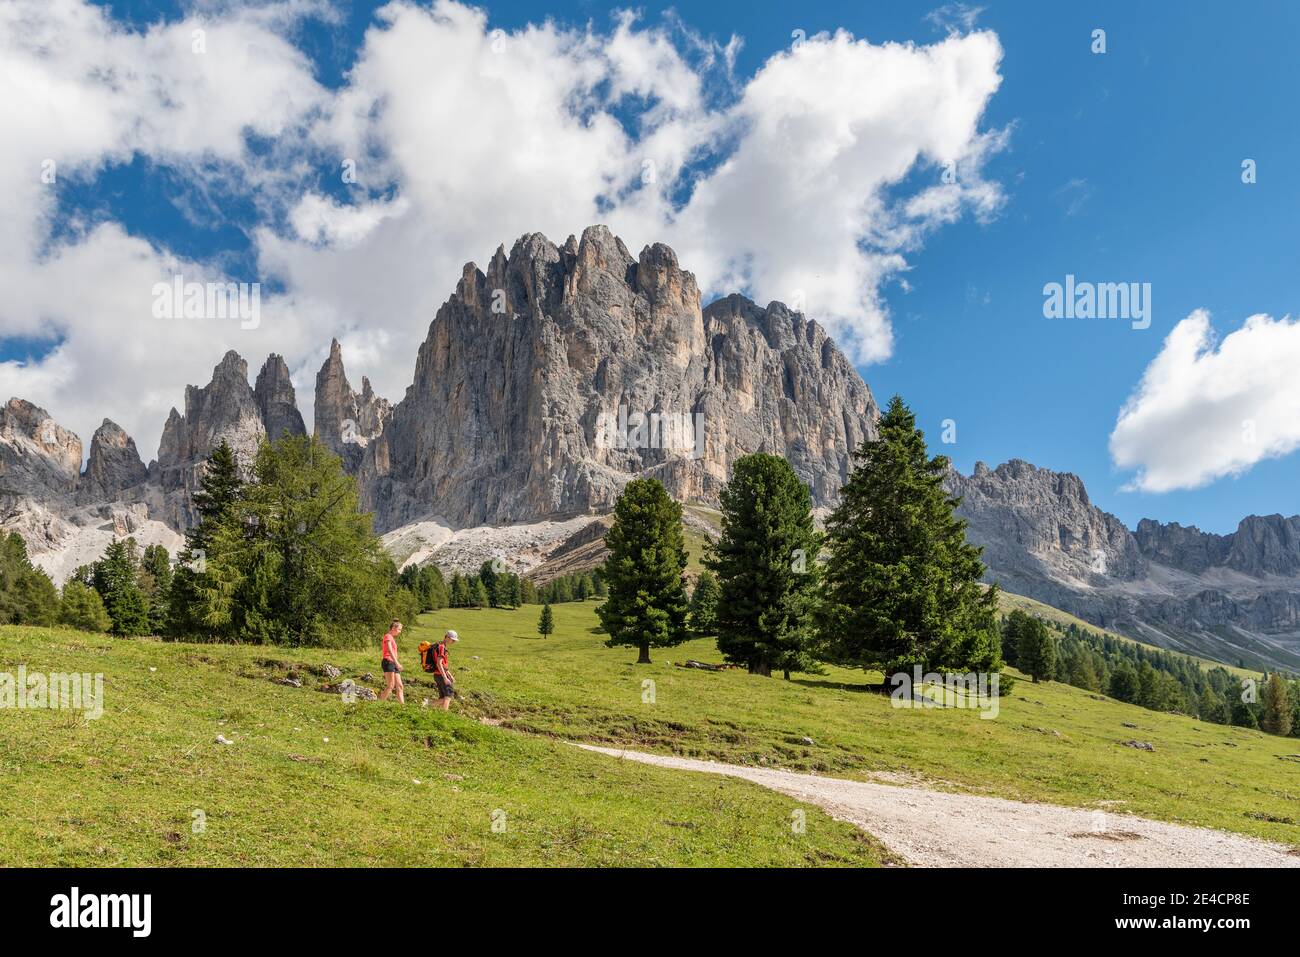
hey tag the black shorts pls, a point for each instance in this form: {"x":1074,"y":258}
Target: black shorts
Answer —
{"x":390,"y":665}
{"x":445,"y":687}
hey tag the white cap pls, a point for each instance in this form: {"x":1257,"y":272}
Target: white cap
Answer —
{"x":451,"y":636}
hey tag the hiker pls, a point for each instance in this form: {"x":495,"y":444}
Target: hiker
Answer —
{"x":392,"y":667}
{"x":442,"y":676}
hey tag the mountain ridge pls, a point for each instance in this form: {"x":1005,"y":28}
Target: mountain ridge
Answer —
{"x":534,"y":400}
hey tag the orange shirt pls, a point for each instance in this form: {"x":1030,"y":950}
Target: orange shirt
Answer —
{"x":390,"y":647}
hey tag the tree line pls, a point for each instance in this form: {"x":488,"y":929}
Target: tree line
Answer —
{"x":1149,"y":677}
{"x":494,"y":587}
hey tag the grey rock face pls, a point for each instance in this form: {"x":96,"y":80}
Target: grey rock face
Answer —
{"x":39,"y":459}
{"x":345,"y":420}
{"x":113,"y":465}
{"x":552,"y":378}
{"x":225,"y":409}
{"x":277,"y":401}
{"x":1034,"y":522}
{"x":1230,"y":597}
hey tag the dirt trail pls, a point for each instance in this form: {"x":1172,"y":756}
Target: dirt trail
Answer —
{"x":938,"y":829}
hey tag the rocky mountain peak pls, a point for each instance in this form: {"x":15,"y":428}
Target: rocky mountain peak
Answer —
{"x":535,"y":375}
{"x":38,"y":457}
{"x":277,"y":400}
{"x":113,"y":465}
{"x":345,"y":420}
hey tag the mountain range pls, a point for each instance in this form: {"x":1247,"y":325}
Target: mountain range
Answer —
{"x":557,"y":374}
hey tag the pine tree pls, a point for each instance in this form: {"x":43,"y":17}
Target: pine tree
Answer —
{"x":1213,"y":708}
{"x":27,"y":595}
{"x":156,"y":581}
{"x":82,"y":608}
{"x":489,"y":575}
{"x":1036,"y":650}
{"x":219,"y":490}
{"x":116,"y":577}
{"x":704,"y":605}
{"x":1124,"y":683}
{"x":479,"y":594}
{"x":1276,"y":718}
{"x":546,"y":623}
{"x":647,"y":594}
{"x":765,"y":560}
{"x":1243,"y":715}
{"x":902,"y":585}
{"x":295,"y":561}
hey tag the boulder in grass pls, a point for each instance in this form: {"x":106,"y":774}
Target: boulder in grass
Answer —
{"x":1140,"y":745}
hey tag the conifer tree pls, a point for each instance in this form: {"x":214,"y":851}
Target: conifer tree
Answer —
{"x":546,"y":623}
{"x":704,"y":605}
{"x":647,"y":602}
{"x":1276,"y":717}
{"x":766,"y":563}
{"x":902,"y":585}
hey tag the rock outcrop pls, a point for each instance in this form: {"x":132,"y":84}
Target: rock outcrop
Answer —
{"x":345,"y":420}
{"x":553,"y":377}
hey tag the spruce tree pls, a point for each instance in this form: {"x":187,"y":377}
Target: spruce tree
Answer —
{"x":546,"y":623}
{"x":219,"y":491}
{"x":1036,"y":651}
{"x":647,"y":603}
{"x":704,"y":605}
{"x":766,"y":563}
{"x":116,"y":577}
{"x":27,"y":595}
{"x":479,"y":594}
{"x":902,"y":585}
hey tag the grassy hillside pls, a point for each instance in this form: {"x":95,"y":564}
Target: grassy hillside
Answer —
{"x":310,"y":781}
{"x":121,"y":790}
{"x":1050,"y":742}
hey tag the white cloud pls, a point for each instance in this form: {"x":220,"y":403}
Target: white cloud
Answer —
{"x":799,"y":182}
{"x":1205,"y":409}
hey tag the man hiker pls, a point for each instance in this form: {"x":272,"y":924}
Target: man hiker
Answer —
{"x":392,"y":668}
{"x":442,"y":674}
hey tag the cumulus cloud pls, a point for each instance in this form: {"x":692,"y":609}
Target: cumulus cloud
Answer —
{"x":799,"y":183}
{"x":1206,"y":409}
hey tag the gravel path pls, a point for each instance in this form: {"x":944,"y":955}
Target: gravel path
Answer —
{"x":938,"y":829}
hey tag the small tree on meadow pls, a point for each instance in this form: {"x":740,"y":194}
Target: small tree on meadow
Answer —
{"x":1276,"y":718}
{"x":546,"y":623}
{"x":704,"y":605}
{"x":766,"y":563}
{"x":1036,"y":651}
{"x":647,"y":603}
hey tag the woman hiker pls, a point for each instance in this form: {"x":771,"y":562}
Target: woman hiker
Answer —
{"x":392,"y":668}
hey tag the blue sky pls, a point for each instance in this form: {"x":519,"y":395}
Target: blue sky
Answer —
{"x":1122,"y":166}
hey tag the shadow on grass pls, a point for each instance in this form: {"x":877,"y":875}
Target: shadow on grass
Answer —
{"x":840,"y":685}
